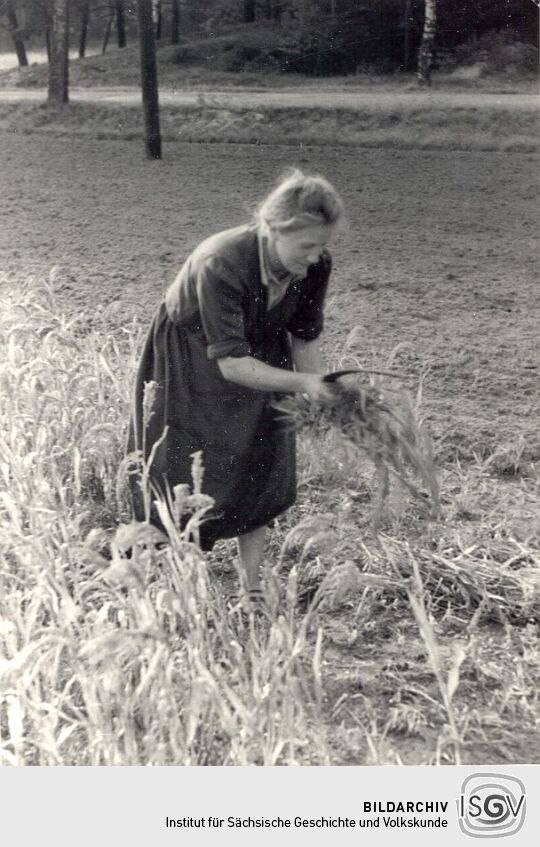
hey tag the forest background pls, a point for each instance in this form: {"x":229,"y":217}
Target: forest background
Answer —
{"x":320,"y":37}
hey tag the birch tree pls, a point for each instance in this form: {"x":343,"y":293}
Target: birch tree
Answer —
{"x":425,"y":53}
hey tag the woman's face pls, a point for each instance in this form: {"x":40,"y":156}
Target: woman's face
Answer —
{"x":299,"y":249}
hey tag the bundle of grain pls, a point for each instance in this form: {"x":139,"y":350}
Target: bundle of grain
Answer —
{"x":380,"y":422}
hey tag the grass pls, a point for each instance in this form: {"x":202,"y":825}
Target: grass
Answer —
{"x":403,"y":127}
{"x":405,"y":123}
{"x":107,"y":659}
{"x":414,"y":644}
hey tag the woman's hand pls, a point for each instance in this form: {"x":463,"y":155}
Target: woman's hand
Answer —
{"x":318,"y":390}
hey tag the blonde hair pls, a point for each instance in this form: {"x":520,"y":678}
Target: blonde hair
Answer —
{"x":299,"y":201}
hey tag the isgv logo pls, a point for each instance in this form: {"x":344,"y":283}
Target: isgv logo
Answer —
{"x":491,"y":805}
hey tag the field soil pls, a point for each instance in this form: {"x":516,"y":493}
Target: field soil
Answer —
{"x":438,"y":250}
{"x":438,"y":255}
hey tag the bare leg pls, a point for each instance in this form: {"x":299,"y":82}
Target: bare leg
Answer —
{"x":251,"y":552}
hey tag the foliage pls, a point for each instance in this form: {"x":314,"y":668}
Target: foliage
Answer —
{"x":498,"y":53}
{"x":254,"y":47}
{"x":319,"y":38}
{"x":315,"y":37}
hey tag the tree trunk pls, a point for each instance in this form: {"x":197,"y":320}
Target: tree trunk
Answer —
{"x":425,"y":54}
{"x":273,"y":10}
{"x":303,"y":16}
{"x":107,"y":34}
{"x":48,"y":44}
{"x":277,"y":11}
{"x":248,"y":16}
{"x":158,"y":18}
{"x":407,"y":22}
{"x":85,"y":19}
{"x":472,"y":35}
{"x":58,"y":67}
{"x":149,"y":82}
{"x":175,"y":22}
{"x":18,"y":41}
{"x":120,"y":23}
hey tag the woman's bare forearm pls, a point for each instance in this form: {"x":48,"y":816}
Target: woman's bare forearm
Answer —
{"x":251,"y":373}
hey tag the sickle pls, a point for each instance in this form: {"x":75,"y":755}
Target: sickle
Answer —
{"x":335,"y":375}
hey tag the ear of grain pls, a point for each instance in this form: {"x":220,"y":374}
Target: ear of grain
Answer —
{"x":382,"y":424}
{"x":106,"y":623}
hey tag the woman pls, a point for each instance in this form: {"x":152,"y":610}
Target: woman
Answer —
{"x":245,"y":309}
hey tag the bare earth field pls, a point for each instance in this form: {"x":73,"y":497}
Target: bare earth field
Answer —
{"x":439,"y":255}
{"x":439,"y":249}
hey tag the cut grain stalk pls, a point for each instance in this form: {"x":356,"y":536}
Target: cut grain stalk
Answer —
{"x":382,"y":424}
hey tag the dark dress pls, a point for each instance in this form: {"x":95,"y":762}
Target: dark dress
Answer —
{"x":217,"y":307}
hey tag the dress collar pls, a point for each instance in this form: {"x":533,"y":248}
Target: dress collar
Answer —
{"x":273,"y":273}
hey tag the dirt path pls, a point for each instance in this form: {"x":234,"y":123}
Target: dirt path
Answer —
{"x":301,"y":98}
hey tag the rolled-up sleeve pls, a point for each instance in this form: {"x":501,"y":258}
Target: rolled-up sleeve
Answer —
{"x":221,"y":306}
{"x":308,"y":320}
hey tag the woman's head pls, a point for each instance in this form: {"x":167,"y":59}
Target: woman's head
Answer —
{"x":299,"y":201}
{"x":300,"y":217}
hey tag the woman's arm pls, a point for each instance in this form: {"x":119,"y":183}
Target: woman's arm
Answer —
{"x":252,"y":373}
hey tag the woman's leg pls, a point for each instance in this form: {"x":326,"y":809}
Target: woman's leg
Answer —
{"x":251,"y":548}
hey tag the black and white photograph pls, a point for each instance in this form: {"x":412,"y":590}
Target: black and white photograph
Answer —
{"x":269,"y":384}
